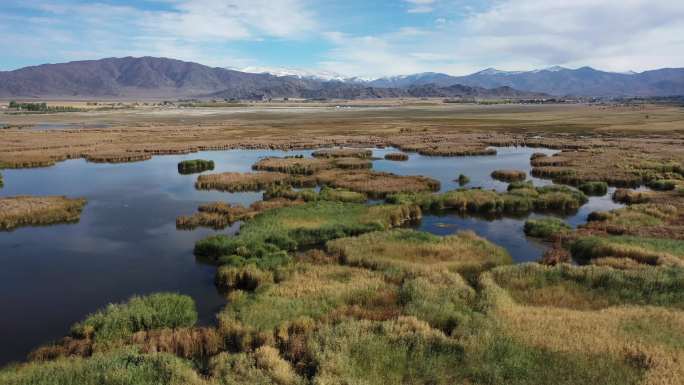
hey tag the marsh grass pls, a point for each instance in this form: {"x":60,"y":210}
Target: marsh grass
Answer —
{"x":548,"y":228}
{"x":594,"y":188}
{"x":509,"y":175}
{"x":575,"y":328}
{"x":416,"y":252}
{"x":118,"y":321}
{"x":591,"y":287}
{"x":343,"y":153}
{"x":518,"y":200}
{"x":312,"y":291}
{"x":650,"y":251}
{"x":297,"y":166}
{"x":376,"y":185}
{"x":195,"y":166}
{"x":219,"y":215}
{"x":290,"y":228}
{"x":663,"y":184}
{"x":264,"y":366}
{"x":397,"y":156}
{"x":628,"y":196}
{"x":37,"y":211}
{"x":235,"y":181}
{"x":125,"y":366}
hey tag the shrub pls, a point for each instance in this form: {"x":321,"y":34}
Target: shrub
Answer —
{"x":594,"y":188}
{"x":112,"y":368}
{"x":546,"y":228}
{"x":663,"y":184}
{"x":117,"y":321}
{"x":195,"y":166}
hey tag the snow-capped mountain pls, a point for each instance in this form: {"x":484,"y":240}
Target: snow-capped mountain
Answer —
{"x":296,"y":72}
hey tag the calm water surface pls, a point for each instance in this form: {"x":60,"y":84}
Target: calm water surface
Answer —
{"x":126,"y":242}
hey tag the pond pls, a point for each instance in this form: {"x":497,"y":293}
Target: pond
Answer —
{"x":126,"y":242}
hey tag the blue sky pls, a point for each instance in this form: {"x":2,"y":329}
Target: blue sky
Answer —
{"x":353,"y":37}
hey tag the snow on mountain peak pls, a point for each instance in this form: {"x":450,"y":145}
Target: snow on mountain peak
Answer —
{"x":296,"y":72}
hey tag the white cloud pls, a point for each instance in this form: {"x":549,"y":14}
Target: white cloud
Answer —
{"x":616,"y":35}
{"x":420,"y":6}
{"x":234,"y":19}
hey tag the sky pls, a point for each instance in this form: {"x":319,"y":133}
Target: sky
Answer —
{"x":353,"y":37}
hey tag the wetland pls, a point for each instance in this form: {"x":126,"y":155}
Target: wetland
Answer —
{"x":296,"y":258}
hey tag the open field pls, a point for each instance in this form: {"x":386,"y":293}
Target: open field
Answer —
{"x":323,"y":286}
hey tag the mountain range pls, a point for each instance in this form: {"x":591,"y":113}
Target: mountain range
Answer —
{"x":150,"y":77}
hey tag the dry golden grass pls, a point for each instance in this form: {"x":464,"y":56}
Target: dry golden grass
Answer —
{"x":343,"y":153}
{"x":219,"y":215}
{"x":302,"y":166}
{"x":418,"y":252}
{"x":397,"y":156}
{"x":30,"y":211}
{"x":445,"y":129}
{"x":376,"y":184}
{"x":236,"y":181}
{"x":509,"y":175}
{"x":605,"y":331}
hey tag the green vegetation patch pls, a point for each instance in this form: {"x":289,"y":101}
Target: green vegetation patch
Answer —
{"x":663,"y":184}
{"x":546,"y":228}
{"x":594,"y":188}
{"x":404,"y":351}
{"x":113,"y":368}
{"x":266,"y":238}
{"x":117,"y":321}
{"x":310,"y":291}
{"x":309,"y":195}
{"x":592,"y":287}
{"x":651,"y":251}
{"x":195,"y":166}
{"x":519,"y":200}
{"x":417,"y":252}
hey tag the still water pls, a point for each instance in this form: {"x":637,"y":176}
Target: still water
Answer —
{"x":126,"y":242}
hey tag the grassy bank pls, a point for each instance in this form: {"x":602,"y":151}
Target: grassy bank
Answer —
{"x":195,"y":166}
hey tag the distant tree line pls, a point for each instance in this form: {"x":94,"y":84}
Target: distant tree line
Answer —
{"x":41,"y":107}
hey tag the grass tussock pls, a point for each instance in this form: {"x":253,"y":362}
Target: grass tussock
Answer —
{"x":415,"y":252}
{"x":118,"y":321}
{"x":594,"y":188}
{"x":219,"y":215}
{"x":376,"y":184}
{"x":663,"y":184}
{"x":397,"y":156}
{"x":264,"y":366}
{"x":311,"y":291}
{"x":546,"y":228}
{"x":519,"y":200}
{"x":297,"y":166}
{"x":463,"y":179}
{"x":125,"y":366}
{"x":185,"y":342}
{"x":628,"y":196}
{"x":509,"y":175}
{"x":37,"y":211}
{"x":310,"y":195}
{"x":343,"y":153}
{"x":236,"y":181}
{"x":195,"y":166}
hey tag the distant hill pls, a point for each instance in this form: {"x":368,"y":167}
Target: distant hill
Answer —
{"x":557,"y":81}
{"x":150,"y":77}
